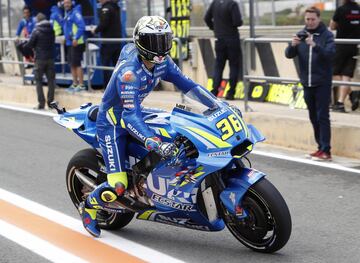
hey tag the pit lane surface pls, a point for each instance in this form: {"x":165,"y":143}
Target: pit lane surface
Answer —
{"x":324,"y":203}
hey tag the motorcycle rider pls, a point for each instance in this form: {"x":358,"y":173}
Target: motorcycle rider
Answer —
{"x":140,"y":67}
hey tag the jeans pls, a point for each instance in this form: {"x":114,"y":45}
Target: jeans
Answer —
{"x":317,"y":100}
{"x":46,"y":67}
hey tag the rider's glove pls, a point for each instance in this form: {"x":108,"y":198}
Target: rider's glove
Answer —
{"x":165,"y":149}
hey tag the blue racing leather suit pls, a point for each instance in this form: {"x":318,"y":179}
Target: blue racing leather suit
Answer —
{"x":120,"y":114}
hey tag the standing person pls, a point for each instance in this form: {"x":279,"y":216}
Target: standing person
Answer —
{"x":346,"y":22}
{"x":224,"y":17}
{"x":74,"y":28}
{"x":26,"y":24}
{"x":57,"y":18}
{"x":109,"y":27}
{"x":42,"y":40}
{"x":141,"y":66}
{"x":315,"y":48}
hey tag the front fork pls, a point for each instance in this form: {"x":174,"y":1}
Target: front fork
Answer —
{"x":237,"y":184}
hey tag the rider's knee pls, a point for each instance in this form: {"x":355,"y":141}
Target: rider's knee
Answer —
{"x":118,"y":181}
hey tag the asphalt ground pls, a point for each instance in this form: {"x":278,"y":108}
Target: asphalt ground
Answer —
{"x":324,"y":203}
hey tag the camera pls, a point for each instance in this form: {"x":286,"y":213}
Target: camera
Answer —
{"x":302,"y":35}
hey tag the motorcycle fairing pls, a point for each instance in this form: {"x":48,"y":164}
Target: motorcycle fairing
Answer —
{"x":173,"y":218}
{"x":237,"y":185}
{"x":78,"y":121}
{"x":174,"y":191}
{"x":254,"y":135}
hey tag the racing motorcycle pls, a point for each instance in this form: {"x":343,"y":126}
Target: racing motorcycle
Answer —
{"x":205,"y":186}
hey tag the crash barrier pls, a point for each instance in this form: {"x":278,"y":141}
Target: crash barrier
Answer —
{"x":91,"y":66}
{"x":283,"y":90}
{"x":10,"y":55}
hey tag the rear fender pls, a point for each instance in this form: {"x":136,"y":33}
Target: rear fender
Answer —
{"x":237,"y":185}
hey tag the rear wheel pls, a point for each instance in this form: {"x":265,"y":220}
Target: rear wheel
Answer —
{"x":83,"y":174}
{"x":267,"y":227}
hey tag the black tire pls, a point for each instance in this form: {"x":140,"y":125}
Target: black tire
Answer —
{"x":89,"y":163}
{"x":268,"y":225}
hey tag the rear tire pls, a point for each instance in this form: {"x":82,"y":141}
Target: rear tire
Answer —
{"x":267,"y":227}
{"x":89,"y":162}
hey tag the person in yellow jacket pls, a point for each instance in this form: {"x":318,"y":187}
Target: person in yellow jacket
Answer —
{"x":57,"y":19}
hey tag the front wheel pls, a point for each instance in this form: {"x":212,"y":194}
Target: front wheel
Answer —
{"x":267,"y":227}
{"x":83,"y":174}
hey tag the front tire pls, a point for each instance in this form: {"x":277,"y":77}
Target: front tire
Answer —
{"x":88,"y":162}
{"x":267,"y":227}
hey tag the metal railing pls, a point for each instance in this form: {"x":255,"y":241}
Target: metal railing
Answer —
{"x":90,"y":67}
{"x":22,"y":63}
{"x":247,"y":64}
{"x":88,"y":61}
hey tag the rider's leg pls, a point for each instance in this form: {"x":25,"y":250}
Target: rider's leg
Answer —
{"x":112,"y":142}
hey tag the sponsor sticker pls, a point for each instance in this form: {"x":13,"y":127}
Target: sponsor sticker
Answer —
{"x":216,"y":114}
{"x":128,"y":76}
{"x":218,"y":154}
{"x":110,"y":153}
{"x":171,"y":203}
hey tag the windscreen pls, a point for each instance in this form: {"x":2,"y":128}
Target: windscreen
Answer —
{"x":200,"y":100}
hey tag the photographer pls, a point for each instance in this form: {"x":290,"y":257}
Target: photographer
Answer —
{"x":315,"y":48}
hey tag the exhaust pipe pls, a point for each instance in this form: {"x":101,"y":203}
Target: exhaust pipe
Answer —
{"x":85,"y":180}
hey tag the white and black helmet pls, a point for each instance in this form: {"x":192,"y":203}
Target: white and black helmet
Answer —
{"x":153,"y":38}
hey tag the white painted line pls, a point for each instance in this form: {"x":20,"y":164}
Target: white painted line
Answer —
{"x":38,"y":112}
{"x":130,"y":247}
{"x":307,"y":161}
{"x":36,"y":245}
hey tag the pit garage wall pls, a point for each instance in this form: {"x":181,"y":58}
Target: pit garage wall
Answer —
{"x":270,"y":61}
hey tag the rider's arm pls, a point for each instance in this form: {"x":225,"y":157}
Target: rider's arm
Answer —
{"x":188,"y":86}
{"x":128,"y":88}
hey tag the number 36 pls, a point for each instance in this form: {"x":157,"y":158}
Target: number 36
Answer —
{"x":228,"y":126}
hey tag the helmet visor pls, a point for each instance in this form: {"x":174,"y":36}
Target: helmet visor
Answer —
{"x":159,"y":44}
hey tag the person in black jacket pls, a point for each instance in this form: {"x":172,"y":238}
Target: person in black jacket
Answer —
{"x":224,"y":17}
{"x":315,"y":48}
{"x":109,"y":27}
{"x":346,"y":22}
{"x":42,"y":40}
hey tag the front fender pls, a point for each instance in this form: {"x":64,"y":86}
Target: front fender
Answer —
{"x":236,"y":186}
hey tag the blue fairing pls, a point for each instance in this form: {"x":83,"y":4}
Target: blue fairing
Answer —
{"x":219,"y":136}
{"x":237,"y":185}
{"x":78,"y":121}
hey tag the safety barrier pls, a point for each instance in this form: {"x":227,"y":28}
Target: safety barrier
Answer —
{"x":249,"y":61}
{"x":91,"y":66}
{"x":4,"y":52}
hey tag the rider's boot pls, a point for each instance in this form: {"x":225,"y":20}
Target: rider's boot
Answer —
{"x":88,"y":216}
{"x":106,"y":192}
